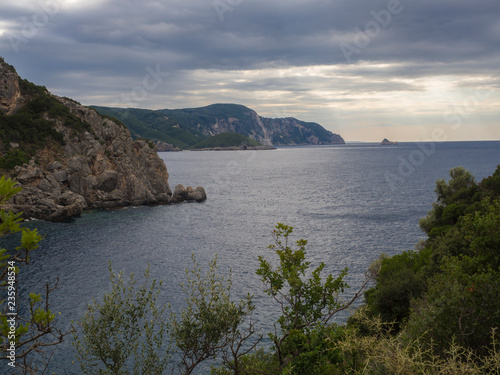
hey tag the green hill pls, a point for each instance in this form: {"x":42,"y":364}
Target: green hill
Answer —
{"x":185,"y":128}
{"x":145,"y":123}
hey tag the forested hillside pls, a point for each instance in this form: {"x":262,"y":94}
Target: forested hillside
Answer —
{"x":184,"y":128}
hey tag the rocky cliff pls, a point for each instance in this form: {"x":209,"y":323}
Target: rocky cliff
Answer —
{"x":10,"y":94}
{"x":85,"y":160}
{"x":185,"y":128}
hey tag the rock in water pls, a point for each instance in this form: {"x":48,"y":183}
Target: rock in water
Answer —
{"x":386,"y":142}
{"x":182,"y":194}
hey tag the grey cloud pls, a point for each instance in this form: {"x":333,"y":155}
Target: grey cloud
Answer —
{"x":102,"y":50}
{"x":258,"y":33}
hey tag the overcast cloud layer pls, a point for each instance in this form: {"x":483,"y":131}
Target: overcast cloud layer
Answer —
{"x":398,"y":69}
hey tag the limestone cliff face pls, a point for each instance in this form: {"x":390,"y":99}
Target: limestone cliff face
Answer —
{"x":250,"y":125}
{"x":290,"y":131}
{"x":274,"y":131}
{"x":10,"y":95}
{"x":104,"y":168}
{"x":101,"y":167}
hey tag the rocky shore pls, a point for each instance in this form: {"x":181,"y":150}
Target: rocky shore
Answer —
{"x":101,"y":167}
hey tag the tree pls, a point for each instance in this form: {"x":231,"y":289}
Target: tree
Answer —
{"x":400,"y":278}
{"x":209,"y":325}
{"x":453,"y":198}
{"x":307,"y":303}
{"x":24,"y":337}
{"x":125,"y":333}
{"x":462,"y":304}
{"x":407,"y":276}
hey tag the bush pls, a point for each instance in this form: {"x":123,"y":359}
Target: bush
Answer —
{"x":401,"y":278}
{"x":124,"y":334}
{"x":307,"y":303}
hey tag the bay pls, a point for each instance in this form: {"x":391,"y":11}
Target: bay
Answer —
{"x":351,"y":202}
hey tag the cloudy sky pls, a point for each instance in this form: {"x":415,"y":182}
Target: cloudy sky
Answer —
{"x":399,"y":69}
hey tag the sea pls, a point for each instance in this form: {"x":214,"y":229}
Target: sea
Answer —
{"x":351,"y":202}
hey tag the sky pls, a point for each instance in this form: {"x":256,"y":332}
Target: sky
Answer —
{"x":398,"y":69}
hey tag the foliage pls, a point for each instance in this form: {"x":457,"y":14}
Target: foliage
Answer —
{"x":458,"y":308}
{"x":209,"y":325}
{"x":482,"y":234}
{"x":462,"y":304}
{"x":258,"y":362}
{"x":8,"y":66}
{"x":307,"y":303}
{"x":32,"y":126}
{"x":452,"y":200}
{"x":149,"y":124}
{"x":30,"y":89}
{"x":30,"y":333}
{"x":491,"y":184}
{"x":125,"y":333}
{"x":227,"y":140}
{"x":384,"y":353}
{"x":401,"y":278}
{"x":463,"y":222}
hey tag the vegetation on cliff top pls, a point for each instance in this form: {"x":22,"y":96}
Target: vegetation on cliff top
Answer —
{"x":31,"y":127}
{"x":227,"y":140}
{"x":184,"y":128}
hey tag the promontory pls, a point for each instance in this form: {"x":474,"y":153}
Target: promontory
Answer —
{"x":69,"y":158}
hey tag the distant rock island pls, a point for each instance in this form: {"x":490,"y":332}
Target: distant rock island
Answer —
{"x":68,"y":157}
{"x":386,"y":142}
{"x":189,"y":128}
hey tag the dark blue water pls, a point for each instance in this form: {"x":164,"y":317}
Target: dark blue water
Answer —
{"x":351,"y":202}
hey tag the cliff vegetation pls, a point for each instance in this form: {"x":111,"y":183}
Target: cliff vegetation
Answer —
{"x":185,"y":128}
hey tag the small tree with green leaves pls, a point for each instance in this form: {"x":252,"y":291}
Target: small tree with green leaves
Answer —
{"x":307,"y":303}
{"x":125,"y":334}
{"x":209,"y":325}
{"x":25,"y":338}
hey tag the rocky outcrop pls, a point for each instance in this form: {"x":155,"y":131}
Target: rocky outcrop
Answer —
{"x":182,"y":194}
{"x":10,"y":95}
{"x":163,"y":146}
{"x":290,"y":131}
{"x":386,"y":142}
{"x":100,"y":167}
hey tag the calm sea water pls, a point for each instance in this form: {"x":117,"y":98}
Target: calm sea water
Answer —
{"x":351,"y":202}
